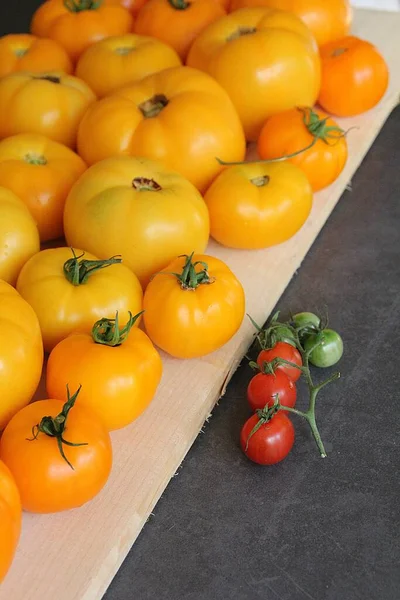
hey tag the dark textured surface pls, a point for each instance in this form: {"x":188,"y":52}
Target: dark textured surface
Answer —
{"x":308,"y":528}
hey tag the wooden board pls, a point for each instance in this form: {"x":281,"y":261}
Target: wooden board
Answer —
{"x":74,"y":555}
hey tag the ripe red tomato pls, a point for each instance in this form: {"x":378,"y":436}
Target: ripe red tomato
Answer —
{"x":263,"y":388}
{"x":286,"y":351}
{"x":271,"y":443}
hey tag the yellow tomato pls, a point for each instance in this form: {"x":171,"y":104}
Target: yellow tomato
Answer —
{"x":119,"y":370}
{"x":69,"y":290}
{"x":267,"y":60}
{"x":194,"y":306}
{"x":138,"y":208}
{"x":258,"y":205}
{"x":24,"y":52}
{"x":21,"y":353}
{"x":118,"y":61}
{"x":48,"y":103}
{"x":179,"y":116}
{"x":10,"y":519}
{"x":19,"y":236}
{"x":50,"y":168}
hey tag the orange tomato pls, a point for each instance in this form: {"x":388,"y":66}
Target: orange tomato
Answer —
{"x":10,"y":519}
{"x":185,"y":18}
{"x":258,"y":205}
{"x":290,"y":132}
{"x":132,"y":5}
{"x":69,"y":290}
{"x":122,"y":199}
{"x":24,"y":52}
{"x":327,"y":19}
{"x":50,"y":103}
{"x":118,"y":61}
{"x":51,"y":170}
{"x":355,"y":76}
{"x":19,"y":236}
{"x":179,"y":116}
{"x":59,"y":454}
{"x":194,"y":306}
{"x":266,"y":60}
{"x":76,"y":24}
{"x":21,"y":352}
{"x":119,"y":371}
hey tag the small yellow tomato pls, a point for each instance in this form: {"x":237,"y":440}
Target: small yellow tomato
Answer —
{"x":19,"y":235}
{"x":258,"y":205}
{"x":69,"y":290}
{"x":118,"y":61}
{"x":194,"y":306}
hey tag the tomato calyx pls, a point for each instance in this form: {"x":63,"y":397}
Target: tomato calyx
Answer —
{"x":80,"y":5}
{"x":338,"y":52}
{"x":78,"y":271}
{"x":240,"y":32}
{"x":264,"y":416}
{"x":153,"y":106}
{"x":107,"y":331}
{"x":179,"y":4}
{"x":276,"y":332}
{"x":148,"y":185}
{"x":55,"y":426}
{"x":50,"y":78}
{"x":20,"y":52}
{"x":189,"y":278}
{"x":35,"y":159}
{"x":124,"y":50}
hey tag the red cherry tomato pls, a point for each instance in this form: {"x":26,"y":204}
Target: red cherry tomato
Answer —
{"x":271,"y":443}
{"x":286,"y":351}
{"x":263,"y":388}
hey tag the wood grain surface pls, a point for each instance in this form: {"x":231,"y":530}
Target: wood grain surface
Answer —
{"x":74,"y":555}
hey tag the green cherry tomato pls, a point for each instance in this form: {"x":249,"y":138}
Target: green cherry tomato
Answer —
{"x":306,"y":319}
{"x":280,"y":333}
{"x":328,"y":352}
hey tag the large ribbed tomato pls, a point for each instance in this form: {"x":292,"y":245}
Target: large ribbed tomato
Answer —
{"x":21,"y":352}
{"x":24,"y":52}
{"x":76,"y":24}
{"x":48,"y":103}
{"x":179,"y":116}
{"x":327,"y":19}
{"x":10,"y":519}
{"x":121,"y":60}
{"x":137,"y":208}
{"x":19,"y":236}
{"x":266,"y":60}
{"x":50,"y":168}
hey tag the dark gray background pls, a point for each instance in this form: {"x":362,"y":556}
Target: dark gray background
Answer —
{"x":307,"y":529}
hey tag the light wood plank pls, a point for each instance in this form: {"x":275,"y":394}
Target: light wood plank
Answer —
{"x":74,"y":555}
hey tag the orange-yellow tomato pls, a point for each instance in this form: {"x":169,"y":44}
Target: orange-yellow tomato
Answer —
{"x":119,"y":371}
{"x":355,"y":77}
{"x":19,"y":236}
{"x":76,"y":24}
{"x":52,"y":474}
{"x":50,"y":168}
{"x":185,"y":18}
{"x":69,"y":290}
{"x":10,"y":519}
{"x":24,"y":52}
{"x":258,"y":205}
{"x":118,"y":61}
{"x":327,"y":19}
{"x":179,"y":116}
{"x":292,"y":131}
{"x":137,"y":208}
{"x":50,"y":103}
{"x":21,"y":352}
{"x":267,"y":61}
{"x":194,"y":306}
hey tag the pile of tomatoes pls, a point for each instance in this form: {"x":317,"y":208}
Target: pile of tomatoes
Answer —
{"x":122,"y":149}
